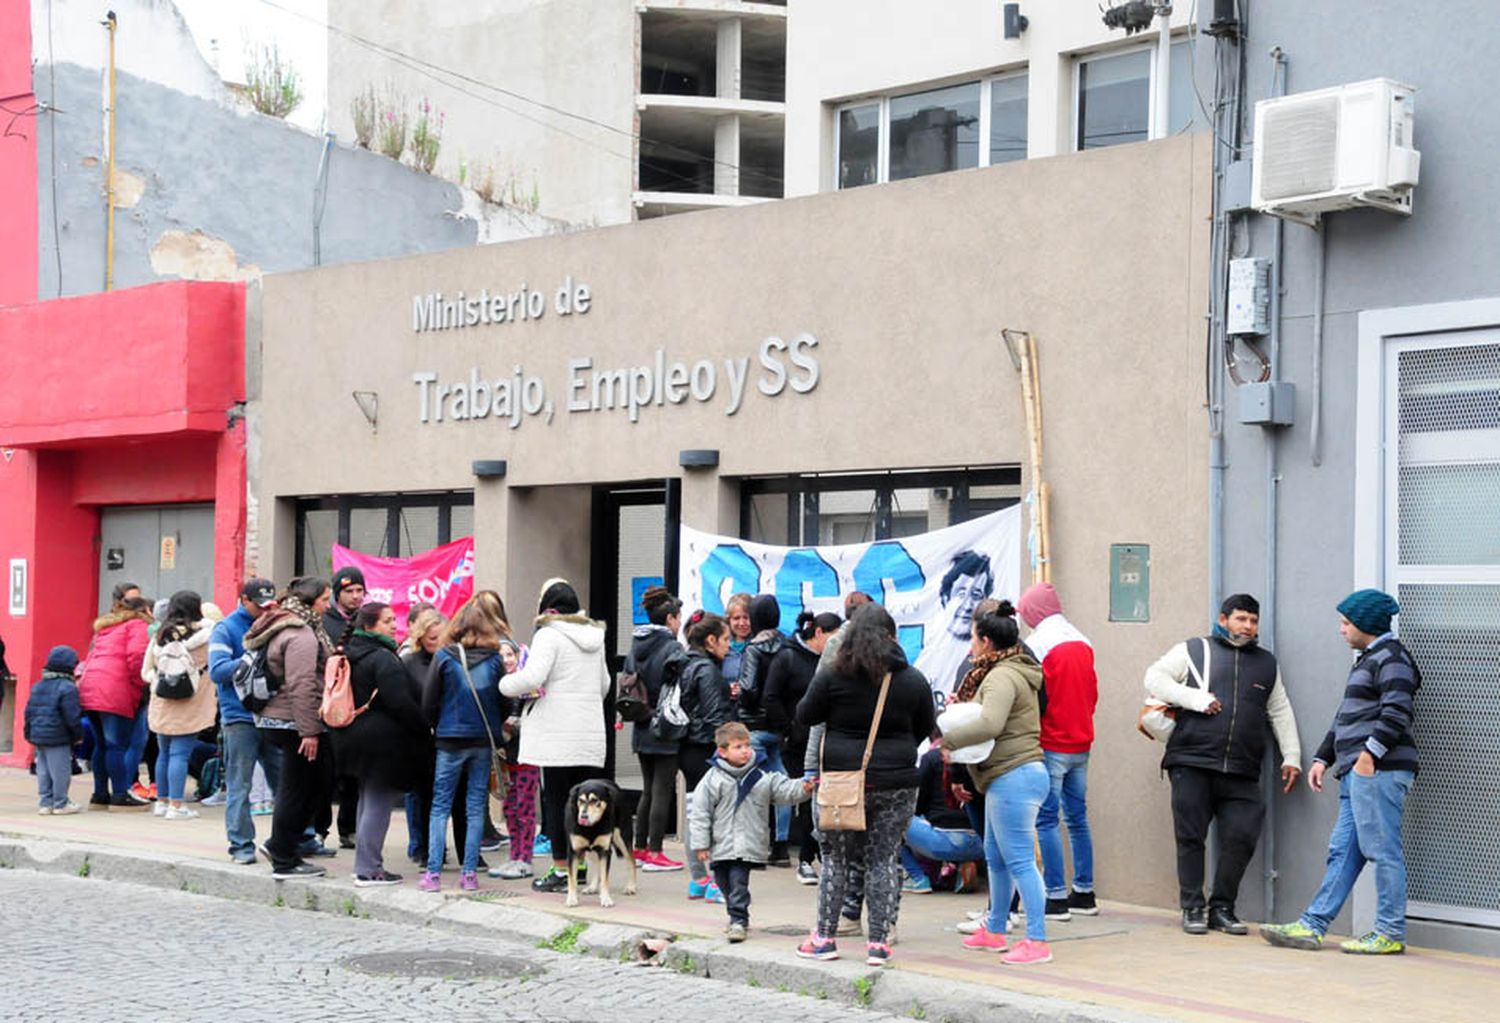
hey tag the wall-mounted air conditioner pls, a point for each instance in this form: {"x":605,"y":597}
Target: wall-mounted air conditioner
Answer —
{"x":1335,"y":149}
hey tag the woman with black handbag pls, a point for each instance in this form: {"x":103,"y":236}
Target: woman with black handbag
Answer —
{"x":877,"y":709}
{"x":183,"y":699}
{"x":657,"y":660}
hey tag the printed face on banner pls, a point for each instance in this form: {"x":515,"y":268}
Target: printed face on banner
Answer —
{"x":930,"y":583}
{"x":442,"y":577}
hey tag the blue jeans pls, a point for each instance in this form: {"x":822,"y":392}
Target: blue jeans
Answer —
{"x":1069,"y":773}
{"x":172,"y":765}
{"x":472,"y":762}
{"x":118,"y":745}
{"x":769,"y":744}
{"x":1010,"y":805}
{"x":1368,"y":830}
{"x":945,"y":845}
{"x":242,"y":748}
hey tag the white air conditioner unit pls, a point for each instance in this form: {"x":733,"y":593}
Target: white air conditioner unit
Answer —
{"x":1335,"y":149}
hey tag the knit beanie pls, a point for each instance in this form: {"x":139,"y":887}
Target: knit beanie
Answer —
{"x":1038,"y":602}
{"x":765,"y":613}
{"x":61,"y":659}
{"x":1369,"y":611}
{"x":346,"y":577}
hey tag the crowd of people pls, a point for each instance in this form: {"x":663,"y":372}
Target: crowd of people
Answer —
{"x":821,"y":737}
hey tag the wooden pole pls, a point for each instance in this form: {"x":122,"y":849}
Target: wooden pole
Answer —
{"x":1043,"y":491}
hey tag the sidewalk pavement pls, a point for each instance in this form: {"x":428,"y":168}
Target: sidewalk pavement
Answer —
{"x":1128,"y":963}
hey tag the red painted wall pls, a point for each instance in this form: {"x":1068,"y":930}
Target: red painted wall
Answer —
{"x":18,"y":167}
{"x":110,"y":399}
{"x":161,"y":359}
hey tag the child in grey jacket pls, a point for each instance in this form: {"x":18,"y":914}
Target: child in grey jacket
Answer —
{"x":729,"y":821}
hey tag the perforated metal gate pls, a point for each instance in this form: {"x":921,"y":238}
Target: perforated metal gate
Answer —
{"x":1443,"y":557}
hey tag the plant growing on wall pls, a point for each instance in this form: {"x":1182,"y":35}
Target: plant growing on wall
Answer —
{"x":391,"y":126}
{"x":426,"y":136}
{"x":365,"y":109}
{"x":271,"y":84}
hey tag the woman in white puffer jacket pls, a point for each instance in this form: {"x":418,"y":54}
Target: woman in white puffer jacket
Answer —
{"x":563,"y":727}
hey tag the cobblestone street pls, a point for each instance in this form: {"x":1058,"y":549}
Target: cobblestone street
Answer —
{"x":89,"y":951}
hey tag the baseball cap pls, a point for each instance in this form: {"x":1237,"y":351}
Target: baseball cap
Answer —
{"x":259,"y":592}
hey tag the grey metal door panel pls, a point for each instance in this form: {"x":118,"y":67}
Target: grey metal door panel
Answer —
{"x":130,"y":549}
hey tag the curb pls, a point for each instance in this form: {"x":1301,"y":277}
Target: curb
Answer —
{"x":849,"y":982}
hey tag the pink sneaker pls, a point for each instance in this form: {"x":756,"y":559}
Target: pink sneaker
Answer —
{"x":429,"y":882}
{"x":985,"y":941}
{"x":655,"y":861}
{"x":1027,"y":953}
{"x":469,"y":881}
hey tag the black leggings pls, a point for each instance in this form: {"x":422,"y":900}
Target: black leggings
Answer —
{"x":556,"y":783}
{"x":303,"y":786}
{"x":658,"y":785}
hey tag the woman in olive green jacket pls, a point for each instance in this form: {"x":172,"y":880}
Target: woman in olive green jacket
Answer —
{"x":1007,"y":684}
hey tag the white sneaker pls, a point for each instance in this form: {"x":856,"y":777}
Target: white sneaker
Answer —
{"x":512,"y":870}
{"x":66,"y":808}
{"x":217,"y":799}
{"x":181,"y":813}
{"x":44,"y":811}
{"x":160,"y":808}
{"x":970,"y":926}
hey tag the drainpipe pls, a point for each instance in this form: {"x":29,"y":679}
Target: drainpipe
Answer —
{"x":320,"y":198}
{"x":111,"y":25}
{"x":1271,"y":778}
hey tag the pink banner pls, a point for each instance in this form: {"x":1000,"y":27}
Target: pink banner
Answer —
{"x":444,"y":577}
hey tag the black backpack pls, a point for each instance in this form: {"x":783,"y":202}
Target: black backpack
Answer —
{"x":253,"y":681}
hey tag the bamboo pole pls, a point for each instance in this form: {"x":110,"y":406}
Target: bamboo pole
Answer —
{"x":1024,"y":357}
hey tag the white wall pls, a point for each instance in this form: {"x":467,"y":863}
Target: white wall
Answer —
{"x":840,"y":50}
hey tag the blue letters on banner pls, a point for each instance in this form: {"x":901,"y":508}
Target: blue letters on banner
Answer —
{"x":728,"y":561}
{"x":802,"y":566}
{"x":639,"y":584}
{"x":888,"y":564}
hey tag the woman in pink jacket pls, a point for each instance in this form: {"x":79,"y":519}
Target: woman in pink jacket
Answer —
{"x":113,"y":694}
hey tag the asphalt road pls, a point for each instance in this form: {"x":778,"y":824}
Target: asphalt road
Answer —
{"x":84,"y":951}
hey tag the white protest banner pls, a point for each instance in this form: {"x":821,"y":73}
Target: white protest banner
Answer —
{"x":929,"y":583}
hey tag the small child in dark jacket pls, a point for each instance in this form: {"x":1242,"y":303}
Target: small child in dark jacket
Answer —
{"x":53,"y":724}
{"x":729,"y":821}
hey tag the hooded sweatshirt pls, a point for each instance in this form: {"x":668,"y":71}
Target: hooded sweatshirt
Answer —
{"x":1010,"y":716}
{"x":564,"y":725}
{"x":1067,"y":660}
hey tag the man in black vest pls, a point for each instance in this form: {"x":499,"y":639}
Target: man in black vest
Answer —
{"x":1224,"y":689}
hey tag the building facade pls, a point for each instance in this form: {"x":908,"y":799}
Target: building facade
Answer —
{"x":850,"y":376}
{"x":596,"y":113}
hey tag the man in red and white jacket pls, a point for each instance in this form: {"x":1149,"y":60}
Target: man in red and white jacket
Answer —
{"x":1072,"y":688}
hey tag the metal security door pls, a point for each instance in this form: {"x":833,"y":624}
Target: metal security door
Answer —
{"x":1443,"y":558}
{"x":162,"y":549}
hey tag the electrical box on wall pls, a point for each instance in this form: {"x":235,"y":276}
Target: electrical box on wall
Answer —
{"x":1249,"y":296}
{"x":1268,"y":404}
{"x":1129,"y":582}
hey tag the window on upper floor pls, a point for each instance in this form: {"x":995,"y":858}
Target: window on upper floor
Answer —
{"x":1114,"y":93}
{"x":974,"y":124}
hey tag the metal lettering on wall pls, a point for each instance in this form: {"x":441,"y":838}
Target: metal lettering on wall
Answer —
{"x":658,"y":382}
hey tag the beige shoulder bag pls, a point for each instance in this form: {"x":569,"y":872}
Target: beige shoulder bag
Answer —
{"x":841,"y":794}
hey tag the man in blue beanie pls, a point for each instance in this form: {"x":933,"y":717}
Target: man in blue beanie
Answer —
{"x":1372,"y":753}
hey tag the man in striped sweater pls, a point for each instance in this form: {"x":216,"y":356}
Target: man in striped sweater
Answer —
{"x":1371,"y":751}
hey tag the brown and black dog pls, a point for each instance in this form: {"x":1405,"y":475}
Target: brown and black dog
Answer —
{"x":593,"y":826}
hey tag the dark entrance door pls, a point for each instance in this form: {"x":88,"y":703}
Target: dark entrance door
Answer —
{"x":634,"y":546}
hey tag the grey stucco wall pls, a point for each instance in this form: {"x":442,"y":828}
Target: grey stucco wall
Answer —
{"x":246,"y":179}
{"x":1445,"y":251}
